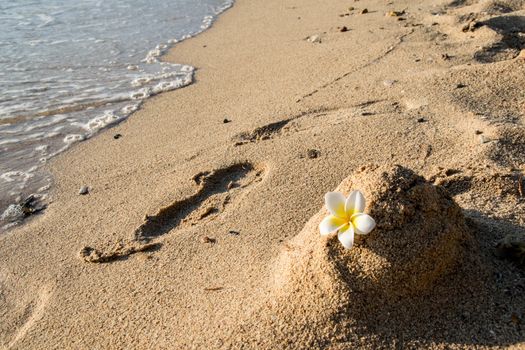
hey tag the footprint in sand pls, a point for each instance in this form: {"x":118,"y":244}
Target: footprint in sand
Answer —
{"x":264,"y":132}
{"x":269,"y":131}
{"x":217,"y":190}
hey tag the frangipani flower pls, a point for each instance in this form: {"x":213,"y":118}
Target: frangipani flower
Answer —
{"x":347,"y":217}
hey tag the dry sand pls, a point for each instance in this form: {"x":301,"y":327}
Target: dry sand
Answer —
{"x":203,"y":234}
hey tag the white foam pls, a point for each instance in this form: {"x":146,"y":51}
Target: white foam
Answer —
{"x":102,"y":121}
{"x":104,"y":73}
{"x":73,"y":138}
{"x":12,"y":214}
{"x":128,"y":109}
{"x":12,"y":176}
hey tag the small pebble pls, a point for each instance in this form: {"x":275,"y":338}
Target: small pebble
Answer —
{"x":314,"y":39}
{"x":313,"y":153}
{"x":389,"y":83}
{"x":343,"y":29}
{"x":460,"y":86}
{"x":483,"y":139}
{"x":117,"y":136}
{"x":363,"y":11}
{"x":206,"y":239}
{"x":478,"y":132}
{"x":395,"y":13}
{"x":213,"y":289}
{"x":226,"y":121}
{"x":450,"y":172}
{"x":421,"y":120}
{"x":234,"y":233}
{"x":83,"y":190}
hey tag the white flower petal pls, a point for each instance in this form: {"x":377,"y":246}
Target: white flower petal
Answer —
{"x":363,"y":223}
{"x":346,"y":236}
{"x":355,"y":203}
{"x":335,"y":203}
{"x":331,"y":224}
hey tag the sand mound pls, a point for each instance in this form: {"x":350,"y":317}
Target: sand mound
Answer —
{"x":419,"y":239}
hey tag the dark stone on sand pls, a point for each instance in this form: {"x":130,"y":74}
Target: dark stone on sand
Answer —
{"x":226,"y":121}
{"x":234,"y":233}
{"x":313,"y":153}
{"x":117,"y":136}
{"x":421,"y":120}
{"x":363,"y":11}
{"x":343,"y":29}
{"x":32,"y":205}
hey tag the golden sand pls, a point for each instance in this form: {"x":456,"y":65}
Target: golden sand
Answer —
{"x":200,"y":234}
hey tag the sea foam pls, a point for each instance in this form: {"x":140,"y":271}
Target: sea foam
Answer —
{"x":89,"y":65}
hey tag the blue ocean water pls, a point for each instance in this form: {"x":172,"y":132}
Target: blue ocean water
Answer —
{"x":70,"y":68}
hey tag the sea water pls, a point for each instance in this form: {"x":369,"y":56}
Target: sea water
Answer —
{"x":68,"y":69}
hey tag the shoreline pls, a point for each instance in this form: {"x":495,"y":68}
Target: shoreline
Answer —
{"x":25,"y":175}
{"x":219,"y":204}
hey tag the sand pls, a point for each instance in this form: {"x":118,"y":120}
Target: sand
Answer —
{"x":200,"y":234}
